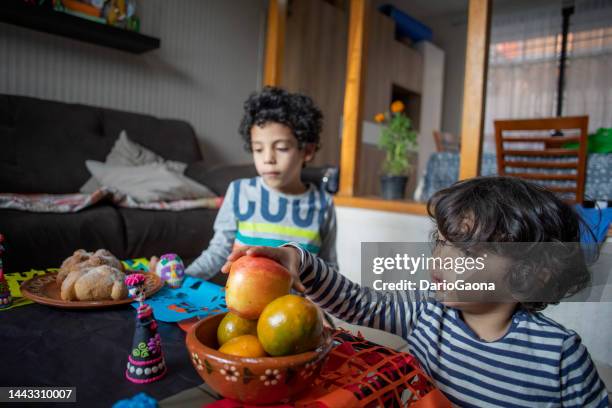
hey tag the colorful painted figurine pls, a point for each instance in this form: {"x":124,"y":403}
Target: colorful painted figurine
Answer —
{"x":146,"y":360}
{"x":171,"y":270}
{"x":5,"y":293}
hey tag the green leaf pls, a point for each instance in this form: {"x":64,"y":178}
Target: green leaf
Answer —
{"x":395,"y":140}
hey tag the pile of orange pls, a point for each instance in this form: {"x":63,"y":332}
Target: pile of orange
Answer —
{"x":288,"y":325}
{"x":264,"y":319}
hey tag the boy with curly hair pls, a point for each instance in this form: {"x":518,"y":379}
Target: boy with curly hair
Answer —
{"x":281,"y":130}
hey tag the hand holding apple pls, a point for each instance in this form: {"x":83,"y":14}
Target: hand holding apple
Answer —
{"x":287,"y":256}
{"x":253,"y":282}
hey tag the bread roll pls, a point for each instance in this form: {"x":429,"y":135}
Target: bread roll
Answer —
{"x":108,"y":259}
{"x":98,"y":284}
{"x":92,"y":276}
{"x":71,"y":264}
{"x":67,"y":291}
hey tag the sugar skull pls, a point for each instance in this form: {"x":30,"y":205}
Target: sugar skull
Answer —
{"x":171,"y":270}
{"x":135,"y":283}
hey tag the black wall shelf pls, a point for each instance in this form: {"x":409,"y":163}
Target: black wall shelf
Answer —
{"x":45,"y":19}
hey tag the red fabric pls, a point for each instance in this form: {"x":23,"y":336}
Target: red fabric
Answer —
{"x":359,"y":374}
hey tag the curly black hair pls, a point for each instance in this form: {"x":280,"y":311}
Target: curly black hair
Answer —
{"x":511,"y":210}
{"x":294,"y":110}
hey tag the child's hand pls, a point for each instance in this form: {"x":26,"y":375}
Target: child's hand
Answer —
{"x":287,"y":256}
{"x":153,"y":264}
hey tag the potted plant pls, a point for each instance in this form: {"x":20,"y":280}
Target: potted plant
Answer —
{"x":396,"y":138}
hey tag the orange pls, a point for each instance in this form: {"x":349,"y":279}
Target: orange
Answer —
{"x":289,"y":324}
{"x":232,"y":326}
{"x":243,"y":346}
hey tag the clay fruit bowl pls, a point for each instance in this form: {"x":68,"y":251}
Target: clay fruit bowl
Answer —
{"x":261,"y":380}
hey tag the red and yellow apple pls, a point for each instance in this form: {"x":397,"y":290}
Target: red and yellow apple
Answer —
{"x":253,"y":282}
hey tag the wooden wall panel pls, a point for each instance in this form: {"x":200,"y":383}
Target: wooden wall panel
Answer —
{"x":407,"y":67}
{"x":379,"y":65}
{"x":315,"y":64}
{"x":388,"y":62}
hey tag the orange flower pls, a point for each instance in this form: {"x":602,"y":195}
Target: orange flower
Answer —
{"x":397,"y":106}
{"x":379,"y":118}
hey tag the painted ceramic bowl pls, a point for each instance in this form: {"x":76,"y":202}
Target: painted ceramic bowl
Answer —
{"x":261,"y":380}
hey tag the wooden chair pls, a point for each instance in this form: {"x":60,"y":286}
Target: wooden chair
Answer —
{"x":544,"y":161}
{"x":446,"y":142}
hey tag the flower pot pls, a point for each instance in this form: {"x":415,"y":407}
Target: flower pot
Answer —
{"x":393,"y":187}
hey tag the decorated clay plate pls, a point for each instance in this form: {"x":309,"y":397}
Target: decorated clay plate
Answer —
{"x":44,"y":290}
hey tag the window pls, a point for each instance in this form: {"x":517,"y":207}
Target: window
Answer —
{"x":524,"y":58}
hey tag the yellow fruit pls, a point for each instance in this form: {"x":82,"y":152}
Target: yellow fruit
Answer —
{"x":233,"y":326}
{"x":243,"y":346}
{"x":289,"y":324}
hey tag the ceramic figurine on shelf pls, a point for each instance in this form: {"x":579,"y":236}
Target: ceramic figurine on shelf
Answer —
{"x":146,"y":360}
{"x":5,"y":293}
{"x":171,"y":270}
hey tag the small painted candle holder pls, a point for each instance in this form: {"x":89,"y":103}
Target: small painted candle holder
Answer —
{"x":171,"y":270}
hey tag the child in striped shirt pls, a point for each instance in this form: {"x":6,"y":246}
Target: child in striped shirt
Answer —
{"x":281,"y":130}
{"x":479,"y":354}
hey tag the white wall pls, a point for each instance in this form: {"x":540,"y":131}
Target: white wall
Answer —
{"x":210,"y":60}
{"x":356,"y":225}
{"x":593,"y":321}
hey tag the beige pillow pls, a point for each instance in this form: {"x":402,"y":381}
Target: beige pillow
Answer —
{"x":147,"y":183}
{"x":128,"y":153}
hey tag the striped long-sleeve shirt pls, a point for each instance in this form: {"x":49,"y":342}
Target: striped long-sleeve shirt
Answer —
{"x":538,"y":363}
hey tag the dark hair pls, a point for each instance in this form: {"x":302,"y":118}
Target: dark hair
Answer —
{"x":294,"y":110}
{"x":507,"y":209}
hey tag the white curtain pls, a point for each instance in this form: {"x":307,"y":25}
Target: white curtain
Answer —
{"x":522,"y":75}
{"x":589,"y":69}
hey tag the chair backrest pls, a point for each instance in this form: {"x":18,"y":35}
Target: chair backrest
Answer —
{"x":551,"y":152}
{"x":446,"y":142}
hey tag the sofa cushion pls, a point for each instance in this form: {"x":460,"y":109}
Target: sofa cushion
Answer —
{"x":159,"y":232}
{"x":171,"y":139}
{"x":46,"y":143}
{"x":127,"y":153}
{"x":44,"y":240}
{"x":148,"y":183}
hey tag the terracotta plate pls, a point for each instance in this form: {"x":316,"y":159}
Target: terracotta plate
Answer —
{"x":44,"y":290}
